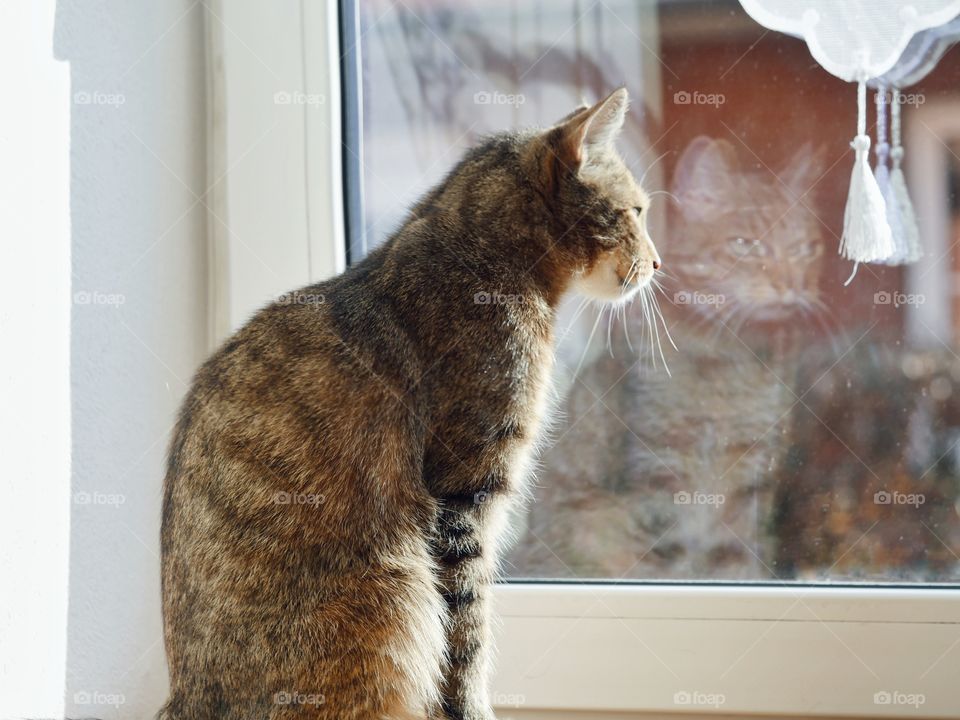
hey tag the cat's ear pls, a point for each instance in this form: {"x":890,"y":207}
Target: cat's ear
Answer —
{"x":571,"y":115}
{"x":587,"y":130}
{"x":704,"y":161}
{"x":702,"y":175}
{"x":803,"y":170}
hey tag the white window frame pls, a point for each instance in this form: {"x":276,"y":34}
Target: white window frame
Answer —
{"x":276,"y":198}
{"x":777,"y":651}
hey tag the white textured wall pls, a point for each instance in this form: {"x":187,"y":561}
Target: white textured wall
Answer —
{"x":34,"y":363}
{"x":137,"y":163}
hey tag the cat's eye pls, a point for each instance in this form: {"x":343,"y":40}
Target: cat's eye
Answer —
{"x":742,"y":246}
{"x":807,"y":251}
{"x":638,"y":210}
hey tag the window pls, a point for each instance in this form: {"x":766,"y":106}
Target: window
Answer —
{"x":807,"y":431}
{"x":697,"y":625}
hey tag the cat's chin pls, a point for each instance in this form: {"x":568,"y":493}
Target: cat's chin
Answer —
{"x":613,"y":296}
{"x":774,"y":313}
{"x":607,"y":290}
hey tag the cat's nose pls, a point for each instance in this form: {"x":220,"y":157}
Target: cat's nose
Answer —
{"x":656,"y":264}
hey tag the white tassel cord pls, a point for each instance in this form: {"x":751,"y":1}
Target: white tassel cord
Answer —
{"x":866,"y":233}
{"x":882,"y":173}
{"x":909,"y":230}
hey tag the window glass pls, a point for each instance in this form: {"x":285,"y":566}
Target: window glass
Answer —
{"x":806,"y":430}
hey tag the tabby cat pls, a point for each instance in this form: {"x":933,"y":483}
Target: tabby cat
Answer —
{"x":661,"y":476}
{"x":342,"y":468}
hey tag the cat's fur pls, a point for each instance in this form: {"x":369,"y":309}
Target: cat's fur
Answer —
{"x":745,"y":259}
{"x":341,"y":471}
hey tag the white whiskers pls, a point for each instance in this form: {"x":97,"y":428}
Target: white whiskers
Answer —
{"x":651,"y":166}
{"x":654,"y":193}
{"x":626,"y":330}
{"x":609,"y":326}
{"x":651,"y":316}
{"x":653,"y":319}
{"x":586,"y":345}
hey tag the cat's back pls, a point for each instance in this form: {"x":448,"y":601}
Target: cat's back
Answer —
{"x":269,"y":436}
{"x":294,"y":470}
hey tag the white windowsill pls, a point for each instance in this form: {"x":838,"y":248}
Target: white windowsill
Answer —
{"x":805,"y":650}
